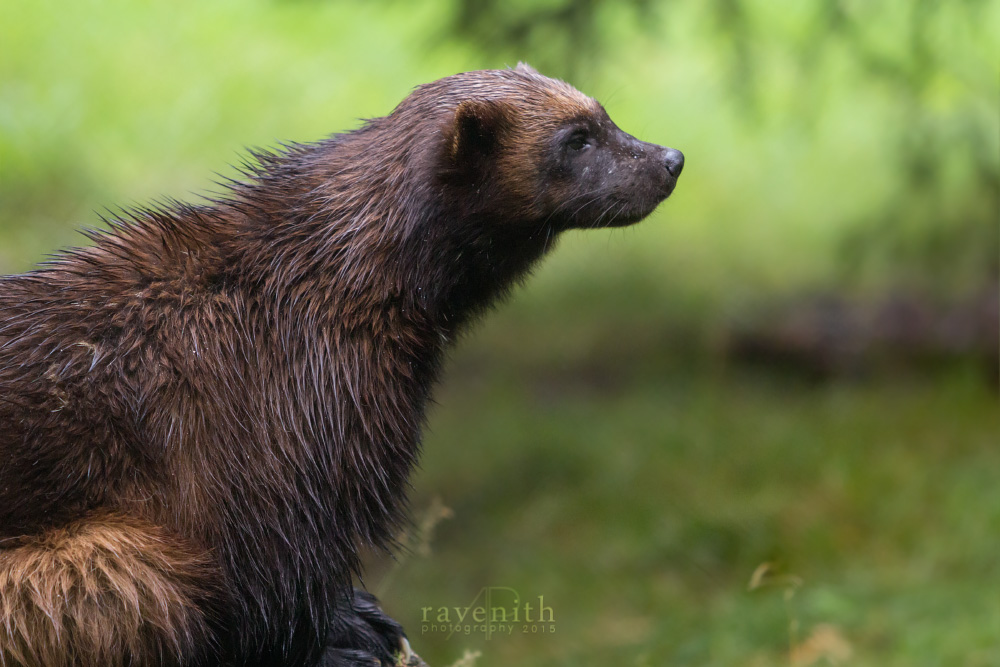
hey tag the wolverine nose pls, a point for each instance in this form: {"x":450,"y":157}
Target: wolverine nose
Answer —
{"x":674,"y":161}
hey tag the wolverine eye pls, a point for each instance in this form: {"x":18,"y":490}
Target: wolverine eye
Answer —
{"x":578,"y":141}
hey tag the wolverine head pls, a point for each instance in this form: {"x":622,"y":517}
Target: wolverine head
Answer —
{"x":535,"y":150}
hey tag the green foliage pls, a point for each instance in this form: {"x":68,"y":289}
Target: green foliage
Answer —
{"x":640,"y":504}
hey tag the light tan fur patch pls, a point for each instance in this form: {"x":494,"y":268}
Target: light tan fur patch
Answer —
{"x":102,"y":592}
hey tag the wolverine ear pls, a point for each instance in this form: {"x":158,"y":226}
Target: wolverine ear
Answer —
{"x":476,"y":132}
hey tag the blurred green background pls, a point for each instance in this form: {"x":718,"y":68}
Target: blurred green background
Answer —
{"x":789,"y":369}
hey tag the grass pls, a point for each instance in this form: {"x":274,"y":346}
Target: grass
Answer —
{"x":640,"y":504}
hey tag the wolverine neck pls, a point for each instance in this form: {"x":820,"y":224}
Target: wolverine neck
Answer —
{"x":379,"y":245}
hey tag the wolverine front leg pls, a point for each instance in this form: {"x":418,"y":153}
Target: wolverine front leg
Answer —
{"x":362,"y":634}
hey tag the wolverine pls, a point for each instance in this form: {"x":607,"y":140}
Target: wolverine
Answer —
{"x":208,"y":412}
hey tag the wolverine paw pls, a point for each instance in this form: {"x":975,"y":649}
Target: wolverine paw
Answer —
{"x":362,"y":634}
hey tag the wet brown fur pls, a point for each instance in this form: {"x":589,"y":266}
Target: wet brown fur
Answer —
{"x":205,"y":414}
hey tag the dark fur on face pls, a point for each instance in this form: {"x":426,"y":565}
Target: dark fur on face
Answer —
{"x":206,"y":414}
{"x":561,"y":161}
